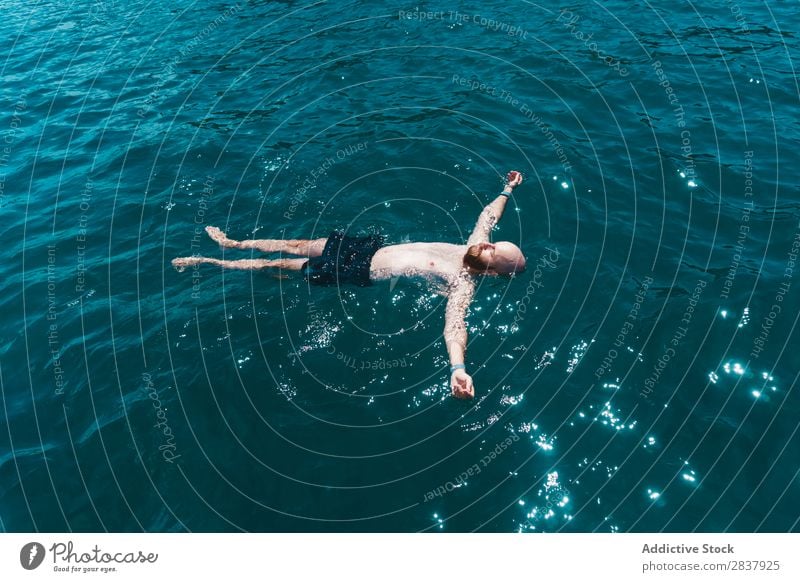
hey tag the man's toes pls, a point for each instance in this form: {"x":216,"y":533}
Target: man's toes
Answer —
{"x":215,"y":233}
{"x":182,"y":262}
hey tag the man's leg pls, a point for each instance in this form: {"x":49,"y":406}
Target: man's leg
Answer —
{"x":306,"y":248}
{"x":244,"y":264}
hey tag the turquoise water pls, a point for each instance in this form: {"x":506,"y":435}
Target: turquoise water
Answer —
{"x":640,"y":376}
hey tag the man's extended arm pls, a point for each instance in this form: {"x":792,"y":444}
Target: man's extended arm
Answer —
{"x":455,"y":335}
{"x":491,"y":214}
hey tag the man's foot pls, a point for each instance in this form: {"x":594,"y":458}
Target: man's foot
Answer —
{"x":219,"y":237}
{"x":181,"y":263}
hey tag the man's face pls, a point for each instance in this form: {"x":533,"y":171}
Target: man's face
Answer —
{"x":487,"y":253}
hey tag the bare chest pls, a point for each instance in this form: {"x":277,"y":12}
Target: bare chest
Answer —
{"x":441,"y":260}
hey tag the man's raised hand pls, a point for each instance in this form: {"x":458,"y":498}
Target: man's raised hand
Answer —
{"x":513,"y":179}
{"x":461,"y":384}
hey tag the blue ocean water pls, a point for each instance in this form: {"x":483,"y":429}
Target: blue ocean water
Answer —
{"x":639,"y":376}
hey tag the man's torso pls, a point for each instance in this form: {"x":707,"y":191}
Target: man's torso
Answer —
{"x":440,"y":260}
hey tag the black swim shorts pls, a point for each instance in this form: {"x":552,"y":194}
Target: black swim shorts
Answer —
{"x":345,"y":259}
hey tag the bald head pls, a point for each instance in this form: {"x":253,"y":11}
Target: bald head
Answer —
{"x":507,"y":259}
{"x":502,"y":258}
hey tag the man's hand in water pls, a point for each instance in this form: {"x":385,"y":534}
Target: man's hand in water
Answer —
{"x":513,"y":179}
{"x":461,"y":384}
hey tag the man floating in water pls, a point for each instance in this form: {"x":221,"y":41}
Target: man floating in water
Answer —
{"x":341,"y":259}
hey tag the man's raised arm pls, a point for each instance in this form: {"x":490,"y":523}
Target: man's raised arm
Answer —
{"x":455,"y":335}
{"x":492,"y":213}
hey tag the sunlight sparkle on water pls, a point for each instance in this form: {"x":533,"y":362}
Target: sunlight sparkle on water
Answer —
{"x":745,"y":317}
{"x":553,"y":498}
{"x":546,"y":359}
{"x":609,"y":418}
{"x":734,"y":367}
{"x":576,"y":355}
{"x":544,"y":443}
{"x":511,"y":400}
